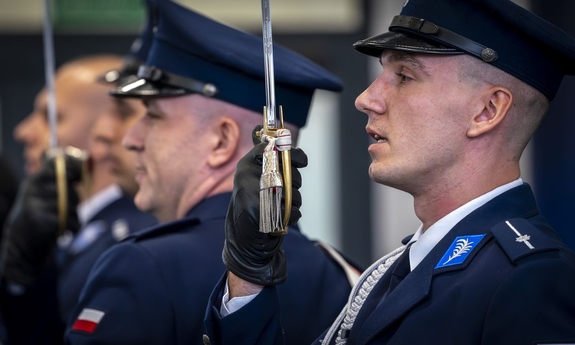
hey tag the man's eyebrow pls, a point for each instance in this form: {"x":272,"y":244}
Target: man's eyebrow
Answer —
{"x":125,"y":110}
{"x":410,"y":59}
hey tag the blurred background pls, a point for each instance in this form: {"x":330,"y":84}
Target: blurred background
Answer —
{"x":341,"y":205}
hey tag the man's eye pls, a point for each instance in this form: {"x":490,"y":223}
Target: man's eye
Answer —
{"x":403,"y":77}
{"x":152,"y":115}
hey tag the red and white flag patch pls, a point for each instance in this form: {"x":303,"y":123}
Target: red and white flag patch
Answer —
{"x":88,"y":320}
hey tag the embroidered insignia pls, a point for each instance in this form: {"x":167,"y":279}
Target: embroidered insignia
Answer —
{"x":88,"y":320}
{"x":459,"y":250}
{"x":86,"y":236}
{"x":521,"y":238}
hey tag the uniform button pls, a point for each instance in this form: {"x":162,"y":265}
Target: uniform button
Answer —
{"x":206,"y":340}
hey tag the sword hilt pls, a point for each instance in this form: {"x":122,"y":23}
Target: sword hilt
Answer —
{"x":286,"y":174}
{"x":60,"y":156}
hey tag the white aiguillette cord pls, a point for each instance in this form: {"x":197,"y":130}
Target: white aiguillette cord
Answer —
{"x":359,"y":294}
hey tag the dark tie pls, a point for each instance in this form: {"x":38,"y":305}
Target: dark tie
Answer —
{"x":400,"y":271}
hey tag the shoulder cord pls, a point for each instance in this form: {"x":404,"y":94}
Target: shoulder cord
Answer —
{"x":361,"y":290}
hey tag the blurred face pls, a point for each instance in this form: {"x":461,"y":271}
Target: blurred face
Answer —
{"x":171,"y":153}
{"x":33,"y":132}
{"x":108,"y":133}
{"x":418,"y":116}
{"x":78,"y":101}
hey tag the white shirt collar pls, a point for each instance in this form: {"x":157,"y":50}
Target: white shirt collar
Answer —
{"x":425,"y":242}
{"x":90,"y":207}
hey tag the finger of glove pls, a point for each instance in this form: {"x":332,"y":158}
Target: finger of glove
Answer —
{"x":256,"y":154}
{"x":256,"y":139}
{"x":295,"y":213}
{"x":73,"y":165}
{"x":298,"y":158}
{"x":248,"y":253}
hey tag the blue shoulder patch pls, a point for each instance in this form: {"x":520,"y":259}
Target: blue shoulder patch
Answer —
{"x":461,"y":247}
{"x":519,"y":238}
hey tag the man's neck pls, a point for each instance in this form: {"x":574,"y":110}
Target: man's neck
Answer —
{"x":440,"y":201}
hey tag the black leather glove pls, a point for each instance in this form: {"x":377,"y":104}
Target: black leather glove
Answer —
{"x":251,"y":255}
{"x":32,"y":228}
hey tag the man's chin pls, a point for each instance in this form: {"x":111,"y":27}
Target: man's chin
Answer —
{"x":142,"y":202}
{"x":128,"y":186}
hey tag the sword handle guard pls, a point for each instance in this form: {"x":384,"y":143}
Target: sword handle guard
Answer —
{"x":59,"y":156}
{"x":286,"y":170}
{"x":286,"y":174}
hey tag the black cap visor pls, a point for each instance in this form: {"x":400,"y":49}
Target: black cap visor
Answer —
{"x":141,"y":87}
{"x":375,"y":45}
{"x":153,"y":82}
{"x":418,"y":35}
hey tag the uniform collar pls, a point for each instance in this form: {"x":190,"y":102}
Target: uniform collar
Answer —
{"x":90,"y":207}
{"x":213,"y":207}
{"x":425,"y":242}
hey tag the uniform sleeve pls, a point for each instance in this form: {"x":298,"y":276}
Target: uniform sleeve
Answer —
{"x":124,"y":301}
{"x":256,"y":323}
{"x":534,"y":305}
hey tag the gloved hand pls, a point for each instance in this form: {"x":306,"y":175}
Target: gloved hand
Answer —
{"x":251,"y":255}
{"x":32,"y":228}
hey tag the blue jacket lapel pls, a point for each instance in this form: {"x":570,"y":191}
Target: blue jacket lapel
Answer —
{"x":414,"y":288}
{"x":517,"y":202}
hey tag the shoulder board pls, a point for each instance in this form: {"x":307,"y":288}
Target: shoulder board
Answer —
{"x":519,"y":238}
{"x":163,"y":229}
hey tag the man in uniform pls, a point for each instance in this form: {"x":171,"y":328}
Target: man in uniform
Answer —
{"x":42,"y":279}
{"x":119,"y":216}
{"x":203,"y":87}
{"x":464,"y":85}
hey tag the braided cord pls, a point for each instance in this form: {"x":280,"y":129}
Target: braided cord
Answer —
{"x":361,"y":290}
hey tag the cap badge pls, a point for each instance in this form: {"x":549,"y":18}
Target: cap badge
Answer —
{"x":489,"y":55}
{"x":210,"y":90}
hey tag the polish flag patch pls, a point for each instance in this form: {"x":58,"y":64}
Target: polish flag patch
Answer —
{"x":88,"y":320}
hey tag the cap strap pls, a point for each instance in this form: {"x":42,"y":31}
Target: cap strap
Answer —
{"x":156,"y":75}
{"x":425,"y":27}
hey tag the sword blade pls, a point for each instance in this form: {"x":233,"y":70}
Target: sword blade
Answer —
{"x":268,"y":65}
{"x":49,"y":73}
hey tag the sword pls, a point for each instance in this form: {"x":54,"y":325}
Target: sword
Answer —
{"x":272,"y":183}
{"x":54,"y":151}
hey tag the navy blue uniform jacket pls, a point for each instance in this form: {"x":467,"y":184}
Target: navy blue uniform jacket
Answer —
{"x":153,"y":288}
{"x":502,"y":293}
{"x":121,"y":215}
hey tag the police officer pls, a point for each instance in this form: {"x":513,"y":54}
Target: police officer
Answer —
{"x":42,"y":278}
{"x":464,"y":86}
{"x":111,"y":215}
{"x":203,"y":86}
{"x":29,"y":271}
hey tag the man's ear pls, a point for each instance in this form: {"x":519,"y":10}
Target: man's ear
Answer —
{"x":226,"y":142}
{"x":495,"y":106}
